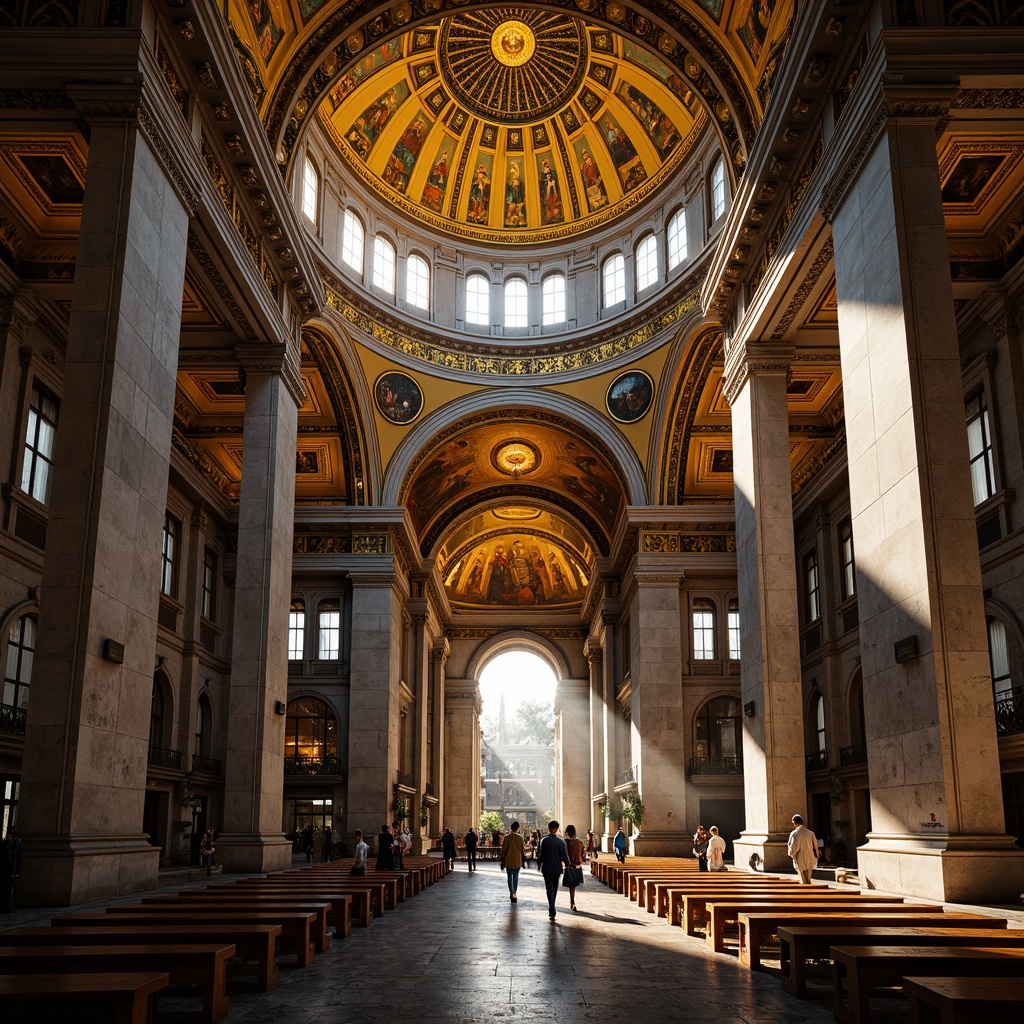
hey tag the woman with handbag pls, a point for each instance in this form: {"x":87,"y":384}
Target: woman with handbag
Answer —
{"x":573,"y":876}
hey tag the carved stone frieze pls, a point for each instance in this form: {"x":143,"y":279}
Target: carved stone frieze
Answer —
{"x":753,"y":358}
{"x":800,"y":296}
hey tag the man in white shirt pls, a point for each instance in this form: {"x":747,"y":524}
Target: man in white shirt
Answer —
{"x":803,"y":849}
{"x":359,"y":864}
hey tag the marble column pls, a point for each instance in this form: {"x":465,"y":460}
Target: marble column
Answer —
{"x":250,"y":834}
{"x":656,"y":707}
{"x":933,"y":758}
{"x":420,"y":685}
{"x":86,"y":744}
{"x":462,"y":708}
{"x":594,"y":653}
{"x":374,"y":699}
{"x":774,"y":786}
{"x":572,"y":722}
{"x":439,"y":652}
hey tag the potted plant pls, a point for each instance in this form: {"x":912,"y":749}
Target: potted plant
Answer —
{"x":424,"y":815}
{"x":398,"y":808}
{"x":633,"y":810}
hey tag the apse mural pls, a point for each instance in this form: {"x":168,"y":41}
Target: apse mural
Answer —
{"x":515,"y":195}
{"x":658,"y":126}
{"x":970,"y":176}
{"x":437,"y":182}
{"x":478,"y":210}
{"x":367,"y":128}
{"x":593,"y":183}
{"x":551,"y":196}
{"x":372,"y":62}
{"x":403,"y":157}
{"x":753,"y":30}
{"x":268,"y":31}
{"x":623,"y":153}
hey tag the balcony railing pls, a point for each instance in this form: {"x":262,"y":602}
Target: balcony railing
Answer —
{"x":715,"y":766}
{"x":857,"y":754}
{"x":12,"y":720}
{"x":161,"y":757}
{"x":297,"y":765}
{"x":626,"y":777}
{"x":405,"y":779}
{"x":1010,"y":712}
{"x":205,"y":765}
{"x":817,"y":762}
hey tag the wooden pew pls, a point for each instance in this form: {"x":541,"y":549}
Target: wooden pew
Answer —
{"x":798,"y":944}
{"x":253,"y":941}
{"x":110,"y":997}
{"x":859,"y":969}
{"x":295,"y":927}
{"x":698,"y":906}
{"x":965,"y":1000}
{"x":756,"y":926}
{"x":657,"y":901}
{"x":395,"y":886}
{"x":202,"y":964}
{"x":674,"y":894}
{"x":369,"y":899}
{"x":201,"y":903}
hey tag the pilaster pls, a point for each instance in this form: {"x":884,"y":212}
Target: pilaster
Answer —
{"x":572,"y":725}
{"x":462,"y":707}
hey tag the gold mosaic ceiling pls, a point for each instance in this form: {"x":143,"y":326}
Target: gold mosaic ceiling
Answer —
{"x":512,"y":124}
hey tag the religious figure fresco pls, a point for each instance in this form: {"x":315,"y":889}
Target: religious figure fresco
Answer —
{"x":551,"y":211}
{"x":443,"y":478}
{"x":630,"y":396}
{"x":480,"y":192}
{"x":658,"y":126}
{"x":398,"y":397}
{"x":644,"y":59}
{"x":436,"y":187}
{"x":55,"y":178}
{"x":369,"y":125}
{"x":753,"y":30}
{"x":623,"y":153}
{"x":593,"y":184}
{"x":307,"y":8}
{"x":970,"y":176}
{"x":373,"y":61}
{"x":515,"y":197}
{"x":403,"y":157}
{"x":268,"y":31}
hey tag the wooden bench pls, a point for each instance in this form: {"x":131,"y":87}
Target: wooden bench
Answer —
{"x":107,"y":998}
{"x":860,"y":969}
{"x":755,"y":927}
{"x":657,"y":901}
{"x":799,"y":944}
{"x":369,"y":899}
{"x":203,"y":903}
{"x":295,"y":927}
{"x":202,"y":964}
{"x":252,"y":941}
{"x":964,"y":1000}
{"x":674,"y":894}
{"x":339,"y":911}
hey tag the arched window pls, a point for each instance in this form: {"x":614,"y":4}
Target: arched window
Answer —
{"x":352,"y":241}
{"x":999,"y":658}
{"x":478,"y":300}
{"x":310,"y":189}
{"x":516,"y":312}
{"x":677,"y":239}
{"x":296,"y":630}
{"x":328,"y":630}
{"x":553,"y":300}
{"x":818,"y":709}
{"x":384,"y":265}
{"x":204,"y":717}
{"x":647,"y":263}
{"x":417,"y":282}
{"x":703,"y":630}
{"x":156,"y":716}
{"x":718,"y":190}
{"x":21,"y":646}
{"x":717,"y":733}
{"x":614,"y":278}
{"x":311,"y":736}
{"x":734,"y":629}
{"x":40,"y":434}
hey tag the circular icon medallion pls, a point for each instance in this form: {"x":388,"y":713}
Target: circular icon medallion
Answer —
{"x":513,"y":44}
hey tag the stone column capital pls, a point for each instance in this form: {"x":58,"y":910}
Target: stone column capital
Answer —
{"x":751,"y":358}
{"x":593,"y":650}
{"x":15,"y":317}
{"x":273,"y":358}
{"x":372,"y":579}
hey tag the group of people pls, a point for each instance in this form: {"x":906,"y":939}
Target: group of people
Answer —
{"x":709,"y":849}
{"x":803,"y":847}
{"x":558,"y":860}
{"x":394,"y":841}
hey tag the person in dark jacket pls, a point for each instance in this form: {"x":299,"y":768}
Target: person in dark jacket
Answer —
{"x":448,"y":853}
{"x":10,"y":868}
{"x":552,"y":859}
{"x":385,"y":850}
{"x":471,"y":841}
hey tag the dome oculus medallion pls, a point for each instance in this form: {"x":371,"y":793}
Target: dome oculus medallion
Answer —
{"x":512,"y":125}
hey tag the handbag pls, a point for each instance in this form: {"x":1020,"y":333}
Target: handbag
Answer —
{"x":572,"y":878}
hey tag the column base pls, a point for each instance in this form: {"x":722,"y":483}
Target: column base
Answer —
{"x":761,"y":851}
{"x":953,"y":869}
{"x":661,"y":844}
{"x":254,"y":853}
{"x":63,"y":871}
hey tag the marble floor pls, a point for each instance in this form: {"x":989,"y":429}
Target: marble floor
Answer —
{"x":459,"y":953}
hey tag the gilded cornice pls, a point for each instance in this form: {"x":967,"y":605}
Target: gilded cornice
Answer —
{"x":749,"y":358}
{"x":277,"y":359}
{"x":446,"y":352}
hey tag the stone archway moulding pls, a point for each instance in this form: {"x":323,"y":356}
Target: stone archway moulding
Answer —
{"x":508,"y":640}
{"x":527,"y":398}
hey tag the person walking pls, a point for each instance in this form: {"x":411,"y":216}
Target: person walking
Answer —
{"x":306,"y":838}
{"x":397,"y":846}
{"x":591,"y":846}
{"x":621,"y":844}
{"x":513,"y":855}
{"x":700,"y":847}
{"x":716,"y":851}
{"x":552,"y":858}
{"x":359,"y":864}
{"x":448,"y":851}
{"x":207,"y":854}
{"x":574,"y":872}
{"x":803,"y":849}
{"x":471,"y":841}
{"x":385,"y":850}
{"x":10,"y":868}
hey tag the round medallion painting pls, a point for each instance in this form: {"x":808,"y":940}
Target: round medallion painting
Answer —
{"x":630,"y":396}
{"x":398,"y":397}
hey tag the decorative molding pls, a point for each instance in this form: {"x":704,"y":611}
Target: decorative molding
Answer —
{"x":221,"y":287}
{"x":800,"y":296}
{"x":372,"y":579}
{"x":659,"y":579}
{"x":750,"y":358}
{"x":988,"y":99}
{"x":274,"y":358}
